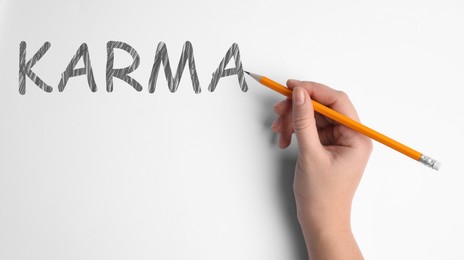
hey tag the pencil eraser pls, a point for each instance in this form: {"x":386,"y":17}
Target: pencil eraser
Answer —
{"x":436,"y":165}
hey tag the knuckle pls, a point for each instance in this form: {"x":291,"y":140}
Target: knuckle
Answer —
{"x":308,"y":85}
{"x":302,"y":123}
{"x":308,"y":82}
{"x":276,"y":108}
{"x":369,"y":145}
{"x":280,"y":107}
{"x":342,"y":94}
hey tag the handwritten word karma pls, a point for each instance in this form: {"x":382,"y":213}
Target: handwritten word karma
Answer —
{"x":161,"y":57}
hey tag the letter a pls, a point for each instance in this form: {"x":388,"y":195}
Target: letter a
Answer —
{"x":223,"y":72}
{"x":83,"y":51}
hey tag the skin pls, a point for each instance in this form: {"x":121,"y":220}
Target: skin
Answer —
{"x":331,"y":162}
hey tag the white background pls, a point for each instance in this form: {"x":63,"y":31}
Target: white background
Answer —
{"x":133,"y":175}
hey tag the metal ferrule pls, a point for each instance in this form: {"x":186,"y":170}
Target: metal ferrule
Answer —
{"x":429,"y":162}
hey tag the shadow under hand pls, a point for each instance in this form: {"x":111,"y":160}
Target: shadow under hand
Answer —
{"x":287,"y":200}
{"x":285,"y":172}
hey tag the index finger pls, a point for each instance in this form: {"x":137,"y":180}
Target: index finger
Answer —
{"x":334,"y":99}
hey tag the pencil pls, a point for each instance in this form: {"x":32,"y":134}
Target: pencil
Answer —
{"x":355,"y":125}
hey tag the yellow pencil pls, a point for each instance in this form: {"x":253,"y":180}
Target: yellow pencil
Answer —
{"x":346,"y":121}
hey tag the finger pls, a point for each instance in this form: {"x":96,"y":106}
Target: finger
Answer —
{"x":337,"y":100}
{"x":283,"y":107}
{"x":293,"y":83}
{"x":286,"y":130}
{"x":278,"y":106}
{"x":276,"y":125}
{"x":283,"y":126}
{"x":304,"y":123}
{"x":284,"y":141}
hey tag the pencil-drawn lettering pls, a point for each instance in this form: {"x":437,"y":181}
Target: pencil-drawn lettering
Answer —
{"x":82,"y":52}
{"x":162,"y":56}
{"x":121,"y":73}
{"x":26,"y":68}
{"x":221,"y":71}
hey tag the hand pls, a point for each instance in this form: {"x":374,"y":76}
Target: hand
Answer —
{"x":331,"y":162}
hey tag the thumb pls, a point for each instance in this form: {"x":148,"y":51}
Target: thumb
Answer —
{"x":304,"y":123}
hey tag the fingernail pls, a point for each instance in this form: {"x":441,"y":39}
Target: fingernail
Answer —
{"x":298,"y":96}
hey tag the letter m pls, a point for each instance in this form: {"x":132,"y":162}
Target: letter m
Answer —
{"x":162,"y":56}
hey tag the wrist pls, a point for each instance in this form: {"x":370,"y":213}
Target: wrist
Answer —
{"x":317,"y":218}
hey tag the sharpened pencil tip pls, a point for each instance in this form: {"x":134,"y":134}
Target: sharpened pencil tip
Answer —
{"x":256,"y":77}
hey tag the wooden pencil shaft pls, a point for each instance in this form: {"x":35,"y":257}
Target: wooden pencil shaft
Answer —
{"x":346,"y":121}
